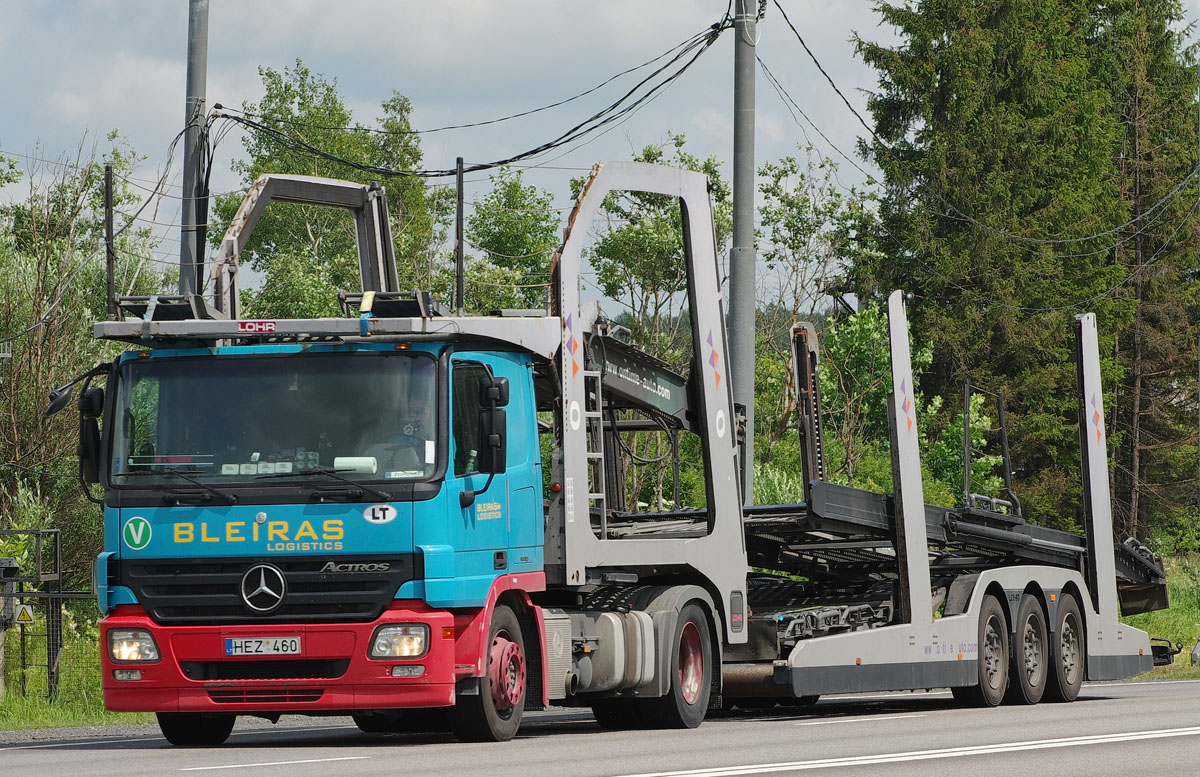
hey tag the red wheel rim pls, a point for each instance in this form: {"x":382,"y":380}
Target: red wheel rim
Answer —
{"x":506,"y":671}
{"x":691,"y":663}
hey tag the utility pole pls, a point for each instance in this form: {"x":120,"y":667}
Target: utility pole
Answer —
{"x":191,"y":234}
{"x":459,"y":270}
{"x":742,"y":257}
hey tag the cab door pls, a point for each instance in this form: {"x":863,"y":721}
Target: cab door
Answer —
{"x":486,"y":521}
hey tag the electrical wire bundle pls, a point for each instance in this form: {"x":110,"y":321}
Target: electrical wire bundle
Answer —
{"x":678,"y":60}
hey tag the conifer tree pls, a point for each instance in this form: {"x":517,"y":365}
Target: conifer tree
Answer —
{"x":1139,"y":51}
{"x":995,"y":134}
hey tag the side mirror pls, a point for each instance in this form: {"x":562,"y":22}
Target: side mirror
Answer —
{"x":61,"y":395}
{"x":91,"y":403}
{"x":59,"y":398}
{"x":493,"y":425}
{"x":495,"y":393}
{"x":91,"y":406}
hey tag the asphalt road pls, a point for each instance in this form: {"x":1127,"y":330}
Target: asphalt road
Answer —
{"x":1114,"y":729}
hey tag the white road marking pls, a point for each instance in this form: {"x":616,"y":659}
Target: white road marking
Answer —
{"x":275,"y":763}
{"x":868,"y":719}
{"x":922,"y":755}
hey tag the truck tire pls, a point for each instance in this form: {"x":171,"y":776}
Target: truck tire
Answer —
{"x":686,"y":703}
{"x":993,"y":658}
{"x":1068,"y":652}
{"x":494,"y":714}
{"x":1030,"y":654}
{"x":195,"y":729}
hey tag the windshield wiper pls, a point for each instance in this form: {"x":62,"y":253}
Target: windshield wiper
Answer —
{"x":333,"y":473}
{"x":230,"y":498}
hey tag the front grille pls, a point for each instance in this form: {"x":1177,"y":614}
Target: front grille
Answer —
{"x":265,"y":695}
{"x":208,"y":591}
{"x":296,"y":669}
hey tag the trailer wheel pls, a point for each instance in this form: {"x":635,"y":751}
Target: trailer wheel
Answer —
{"x":494,"y":714}
{"x":195,"y":729}
{"x":1030,"y":655}
{"x":686,"y":703}
{"x":993,"y":658}
{"x":1069,"y":652}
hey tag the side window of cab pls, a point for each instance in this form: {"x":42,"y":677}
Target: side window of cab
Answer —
{"x":468,"y":379}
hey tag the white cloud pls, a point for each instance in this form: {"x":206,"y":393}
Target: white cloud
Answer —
{"x":769,"y":125}
{"x":712,"y":120}
{"x":120,"y":63}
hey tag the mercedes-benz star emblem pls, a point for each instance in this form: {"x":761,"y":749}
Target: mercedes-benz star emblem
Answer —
{"x":263,"y":587}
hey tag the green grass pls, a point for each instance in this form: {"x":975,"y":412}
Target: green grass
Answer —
{"x":1179,"y":623}
{"x":79,"y":702}
{"x":37,"y":712}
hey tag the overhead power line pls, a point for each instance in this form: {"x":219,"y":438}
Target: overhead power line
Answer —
{"x":45,"y":318}
{"x":958,"y":213}
{"x":132,"y":219}
{"x":681,"y":59}
{"x":79,"y":167}
{"x":372,"y":130}
{"x":794,"y":108}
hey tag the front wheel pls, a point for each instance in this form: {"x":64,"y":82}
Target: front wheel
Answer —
{"x":686,"y":703}
{"x":195,"y":729}
{"x":494,"y":714}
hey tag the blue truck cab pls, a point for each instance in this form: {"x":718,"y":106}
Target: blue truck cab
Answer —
{"x":272,"y":508}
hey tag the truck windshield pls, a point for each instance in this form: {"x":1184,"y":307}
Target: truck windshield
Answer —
{"x":366,"y":415}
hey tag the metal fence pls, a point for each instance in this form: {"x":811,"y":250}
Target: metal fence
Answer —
{"x":48,"y":642}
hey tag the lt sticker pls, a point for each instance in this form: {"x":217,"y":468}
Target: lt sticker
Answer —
{"x":136,"y":532}
{"x":380,"y":514}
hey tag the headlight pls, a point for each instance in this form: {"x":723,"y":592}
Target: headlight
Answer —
{"x":128,"y":645}
{"x":405,"y":640}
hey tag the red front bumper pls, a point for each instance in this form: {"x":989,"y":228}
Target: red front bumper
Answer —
{"x":332,"y":672}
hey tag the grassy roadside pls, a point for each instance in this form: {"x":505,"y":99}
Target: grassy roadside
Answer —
{"x":79,"y":701}
{"x":1179,"y":623}
{"x":17,"y":713}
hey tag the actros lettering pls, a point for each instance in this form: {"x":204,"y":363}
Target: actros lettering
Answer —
{"x":331,"y":567}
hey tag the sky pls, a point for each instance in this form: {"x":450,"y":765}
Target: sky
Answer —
{"x":90,"y":66}
{"x":76,"y":69}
